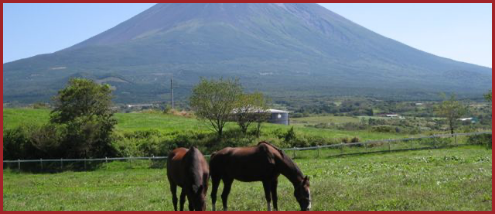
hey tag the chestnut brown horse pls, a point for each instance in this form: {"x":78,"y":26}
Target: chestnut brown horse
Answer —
{"x":188,"y":169}
{"x":264,"y":163}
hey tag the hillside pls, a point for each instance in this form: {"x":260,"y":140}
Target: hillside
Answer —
{"x":280,"y":49}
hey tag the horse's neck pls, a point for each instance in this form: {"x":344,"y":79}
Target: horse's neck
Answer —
{"x":195,"y":170}
{"x":289,"y":169}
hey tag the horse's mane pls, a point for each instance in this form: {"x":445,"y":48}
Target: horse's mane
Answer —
{"x":282,"y":153}
{"x":273,"y":146}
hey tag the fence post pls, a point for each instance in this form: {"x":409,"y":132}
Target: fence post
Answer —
{"x":19,"y":165}
{"x":389,"y":148}
{"x":61,"y":164}
{"x":318,"y":148}
{"x":106,"y":162}
{"x":365,"y":147}
{"x":455,"y":140}
{"x":341,"y":148}
{"x":41,"y":161}
{"x":130,"y":162}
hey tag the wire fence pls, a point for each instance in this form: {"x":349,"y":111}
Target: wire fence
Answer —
{"x":375,"y":146}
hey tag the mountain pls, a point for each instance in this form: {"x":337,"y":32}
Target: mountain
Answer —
{"x":280,"y":49}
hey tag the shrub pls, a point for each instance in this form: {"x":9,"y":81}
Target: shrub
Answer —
{"x":482,"y":139}
{"x":17,"y":144}
{"x":48,"y":139}
{"x":355,"y":140}
{"x":383,"y":129}
{"x":290,"y":135}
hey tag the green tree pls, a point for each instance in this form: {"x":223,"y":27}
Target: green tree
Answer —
{"x":452,"y":110}
{"x":262,"y":115}
{"x":488,"y":96}
{"x":250,"y":108}
{"x":215,"y":100}
{"x":84,"y":108}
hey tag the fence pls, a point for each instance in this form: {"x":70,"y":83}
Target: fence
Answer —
{"x":389,"y":145}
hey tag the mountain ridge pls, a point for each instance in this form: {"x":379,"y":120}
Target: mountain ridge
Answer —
{"x":279,"y":47}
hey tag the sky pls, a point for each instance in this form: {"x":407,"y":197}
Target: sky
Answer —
{"x":461,"y":32}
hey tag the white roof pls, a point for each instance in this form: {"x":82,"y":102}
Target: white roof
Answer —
{"x":276,"y":111}
{"x":268,"y":110}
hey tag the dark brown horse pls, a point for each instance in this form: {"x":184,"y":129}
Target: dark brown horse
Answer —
{"x":264,"y":163}
{"x":188,"y":169}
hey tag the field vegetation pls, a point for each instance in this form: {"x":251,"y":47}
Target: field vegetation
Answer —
{"x":444,"y":179}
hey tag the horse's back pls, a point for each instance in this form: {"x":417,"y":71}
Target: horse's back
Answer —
{"x":243,"y":163}
{"x":194,"y":158}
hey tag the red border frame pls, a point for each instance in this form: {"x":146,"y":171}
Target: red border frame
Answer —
{"x":197,"y":1}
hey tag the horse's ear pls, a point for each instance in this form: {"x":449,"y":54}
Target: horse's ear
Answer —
{"x":306,"y":180}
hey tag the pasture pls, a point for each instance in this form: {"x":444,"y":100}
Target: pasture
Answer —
{"x":445,"y":179}
{"x":167,"y":123}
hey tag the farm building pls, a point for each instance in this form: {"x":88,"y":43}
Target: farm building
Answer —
{"x":278,"y":116}
{"x":275,"y":116}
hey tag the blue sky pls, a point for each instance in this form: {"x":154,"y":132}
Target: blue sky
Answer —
{"x":458,"y":31}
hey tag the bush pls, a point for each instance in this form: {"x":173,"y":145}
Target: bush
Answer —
{"x":290,"y":135}
{"x":17,"y":144}
{"x":482,"y":139}
{"x":352,"y":126}
{"x":47,"y":139}
{"x":383,"y":129}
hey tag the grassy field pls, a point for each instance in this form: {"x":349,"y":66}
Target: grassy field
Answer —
{"x":165,"y":123}
{"x":446,"y":179}
{"x":324,"y":119}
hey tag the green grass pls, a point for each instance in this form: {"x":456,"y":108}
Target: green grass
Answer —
{"x":324,"y":119}
{"x":166,"y":123}
{"x":13,"y":118}
{"x":447,"y":179}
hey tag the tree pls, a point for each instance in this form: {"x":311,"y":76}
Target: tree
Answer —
{"x":250,"y":108}
{"x":215,"y":100}
{"x":84,"y":108}
{"x":82,"y":98}
{"x":488,"y":96}
{"x":262,"y":115}
{"x":452,"y":110}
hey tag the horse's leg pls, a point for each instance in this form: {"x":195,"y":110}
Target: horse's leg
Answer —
{"x":227,"y":184}
{"x":191,"y":207}
{"x":274,"y":193}
{"x":173,"y":189}
{"x":267,"y":187}
{"x":183,"y":199}
{"x":215,"y":183}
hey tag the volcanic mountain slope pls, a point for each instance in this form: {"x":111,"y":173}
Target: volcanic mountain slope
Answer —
{"x":281,"y":49}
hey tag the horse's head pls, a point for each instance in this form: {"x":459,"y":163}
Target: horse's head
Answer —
{"x":303,"y":195}
{"x":198,"y":197}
